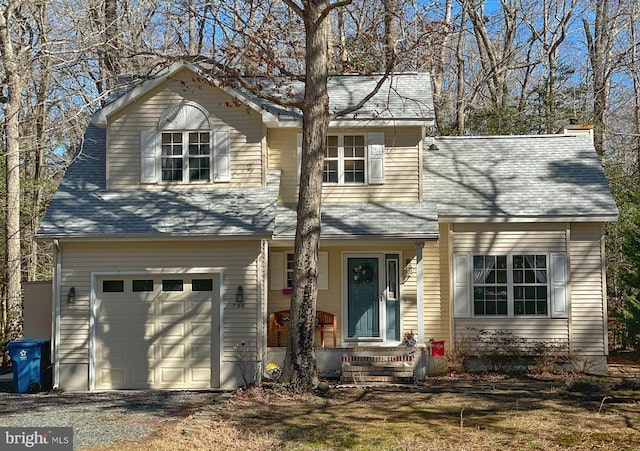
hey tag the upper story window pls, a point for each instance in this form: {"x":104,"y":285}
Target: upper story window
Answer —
{"x":352,"y":159}
{"x":186,"y":156}
{"x":344,"y":159}
{"x":184,"y":148}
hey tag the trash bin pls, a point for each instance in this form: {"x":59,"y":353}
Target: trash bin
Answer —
{"x":31,"y":364}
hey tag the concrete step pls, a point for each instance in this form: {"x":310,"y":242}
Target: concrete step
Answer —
{"x":388,"y":379}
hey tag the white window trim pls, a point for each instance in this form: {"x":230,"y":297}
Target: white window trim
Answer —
{"x":185,"y":118}
{"x":341,"y":159}
{"x":185,"y":157}
{"x":374,"y":143}
{"x":278,"y":275}
{"x":557,"y":283}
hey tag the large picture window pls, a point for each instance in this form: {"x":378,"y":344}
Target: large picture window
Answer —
{"x":516,"y":284}
{"x":344,"y":159}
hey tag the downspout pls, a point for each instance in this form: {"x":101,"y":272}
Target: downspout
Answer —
{"x":264,"y":345}
{"x":420,"y":291}
{"x":56,"y":314}
{"x":421,"y":368}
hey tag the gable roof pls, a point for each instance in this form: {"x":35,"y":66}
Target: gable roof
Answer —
{"x":83,"y":207}
{"x":517,"y":178}
{"x":404,"y":98}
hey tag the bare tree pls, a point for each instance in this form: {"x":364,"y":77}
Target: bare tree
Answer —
{"x":601,"y":37}
{"x":13,"y":27}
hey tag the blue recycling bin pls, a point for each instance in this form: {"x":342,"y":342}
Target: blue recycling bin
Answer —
{"x":31,"y":364}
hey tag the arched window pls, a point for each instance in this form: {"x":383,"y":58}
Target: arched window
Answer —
{"x":184,"y":148}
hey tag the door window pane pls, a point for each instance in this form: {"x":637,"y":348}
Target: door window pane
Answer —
{"x":113,"y":286}
{"x":202,"y":285}
{"x":172,"y":285}
{"x":143,"y":285}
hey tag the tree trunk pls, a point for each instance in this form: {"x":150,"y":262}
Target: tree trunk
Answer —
{"x":14,"y":324}
{"x":391,"y":32}
{"x":461,"y":100}
{"x":599,"y":45}
{"x":111,"y":43}
{"x":300,"y":361}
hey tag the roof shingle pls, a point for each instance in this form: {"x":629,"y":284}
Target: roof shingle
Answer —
{"x":511,"y":177}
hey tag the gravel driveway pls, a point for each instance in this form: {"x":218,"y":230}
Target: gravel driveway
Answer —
{"x":101,"y":418}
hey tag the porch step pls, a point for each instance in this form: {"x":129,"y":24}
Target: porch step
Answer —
{"x":377,"y":366}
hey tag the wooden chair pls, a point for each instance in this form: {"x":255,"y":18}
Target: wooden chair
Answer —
{"x":279,"y":322}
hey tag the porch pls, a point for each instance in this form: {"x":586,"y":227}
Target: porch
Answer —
{"x":375,"y":364}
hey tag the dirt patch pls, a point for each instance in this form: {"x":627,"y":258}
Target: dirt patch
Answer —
{"x":452,"y":413}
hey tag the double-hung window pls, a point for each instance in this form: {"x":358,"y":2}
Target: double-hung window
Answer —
{"x":186,"y":156}
{"x":345,"y":159}
{"x":514,"y":284}
{"x":184,"y":148}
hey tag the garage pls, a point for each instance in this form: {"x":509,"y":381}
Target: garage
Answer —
{"x":155,"y":331}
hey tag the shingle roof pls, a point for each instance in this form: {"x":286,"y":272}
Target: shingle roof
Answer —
{"x":82,"y":207}
{"x":405,"y":97}
{"x":414,"y":220}
{"x":402,"y":97}
{"x":511,"y":177}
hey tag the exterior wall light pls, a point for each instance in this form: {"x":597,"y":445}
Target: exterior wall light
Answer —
{"x":71,"y":297}
{"x":239,"y":294}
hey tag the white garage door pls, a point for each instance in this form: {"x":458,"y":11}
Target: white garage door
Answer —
{"x":155,"y":332}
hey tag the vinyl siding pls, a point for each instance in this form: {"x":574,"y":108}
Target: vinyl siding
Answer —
{"x":401,"y":167}
{"x":331,"y":300}
{"x":584,"y":328}
{"x":245,"y":127}
{"x":239,"y":260}
{"x":504,"y":238}
{"x":434,"y":309}
{"x":511,"y":238}
{"x":446,"y":273}
{"x":588,"y":316}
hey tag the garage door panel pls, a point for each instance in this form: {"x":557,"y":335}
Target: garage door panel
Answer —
{"x":172,"y":351}
{"x":200,"y":351}
{"x":173,"y":329}
{"x":113,"y":377}
{"x":200,"y":329}
{"x":154,"y":339}
{"x":138,"y":352}
{"x":172,"y":308}
{"x":172,"y":376}
{"x":142,"y":379}
{"x":202,"y":375}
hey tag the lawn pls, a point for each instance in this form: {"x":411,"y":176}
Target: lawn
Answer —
{"x":467,"y":413}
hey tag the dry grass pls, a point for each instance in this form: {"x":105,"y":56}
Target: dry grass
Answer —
{"x":450,"y":415}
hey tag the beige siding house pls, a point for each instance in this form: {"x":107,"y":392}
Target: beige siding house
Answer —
{"x":174,"y":233}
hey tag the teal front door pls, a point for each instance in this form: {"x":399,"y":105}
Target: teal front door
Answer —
{"x":363,"y":292}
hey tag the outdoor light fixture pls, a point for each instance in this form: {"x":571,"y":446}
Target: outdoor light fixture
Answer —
{"x":71,"y":297}
{"x":239,"y":294}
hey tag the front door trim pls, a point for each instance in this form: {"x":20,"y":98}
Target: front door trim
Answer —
{"x":381,"y":256}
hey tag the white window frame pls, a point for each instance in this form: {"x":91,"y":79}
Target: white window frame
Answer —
{"x":511,"y":284}
{"x":280,"y":275}
{"x":185,"y":118}
{"x":341,"y":158}
{"x":185,"y":157}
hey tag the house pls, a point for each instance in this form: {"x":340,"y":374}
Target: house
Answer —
{"x":174,"y":227}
